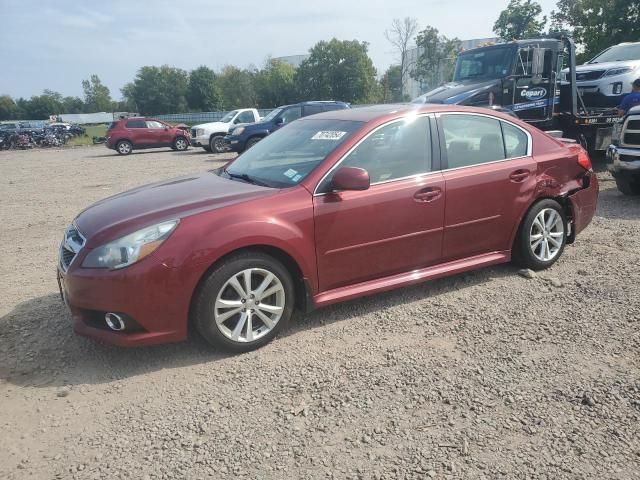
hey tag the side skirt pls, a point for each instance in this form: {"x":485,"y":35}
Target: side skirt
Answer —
{"x":371,"y":287}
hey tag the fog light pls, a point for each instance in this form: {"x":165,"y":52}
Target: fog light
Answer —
{"x":617,"y":88}
{"x":114,"y":321}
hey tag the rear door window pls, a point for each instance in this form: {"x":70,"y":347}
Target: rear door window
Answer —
{"x":136,"y":124}
{"x":312,"y":110}
{"x":472,"y":140}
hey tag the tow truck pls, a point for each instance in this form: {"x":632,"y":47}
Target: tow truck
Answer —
{"x":533,"y":79}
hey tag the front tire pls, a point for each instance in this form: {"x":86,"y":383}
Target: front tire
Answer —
{"x":244,"y":302}
{"x":542,"y":236}
{"x":629,"y":185}
{"x":217,"y":144}
{"x":251,"y":142}
{"x":124,"y":147}
{"x":180,"y":144}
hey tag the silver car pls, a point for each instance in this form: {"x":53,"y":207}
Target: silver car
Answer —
{"x":605,"y":79}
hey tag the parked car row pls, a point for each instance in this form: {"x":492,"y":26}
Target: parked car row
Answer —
{"x":23,"y":135}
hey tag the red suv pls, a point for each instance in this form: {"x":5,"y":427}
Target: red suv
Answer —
{"x":328,"y":208}
{"x":130,"y":134}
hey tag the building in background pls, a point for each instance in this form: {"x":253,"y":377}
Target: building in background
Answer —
{"x":293,"y":60}
{"x":413,"y":88}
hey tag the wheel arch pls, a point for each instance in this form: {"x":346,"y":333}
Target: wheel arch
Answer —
{"x":303,"y":293}
{"x":564,"y":202}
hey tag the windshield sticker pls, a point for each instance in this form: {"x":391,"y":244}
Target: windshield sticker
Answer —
{"x":297,"y":178}
{"x":290,"y":173}
{"x":328,"y":135}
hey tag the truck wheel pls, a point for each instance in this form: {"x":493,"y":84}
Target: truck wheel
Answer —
{"x":629,"y":185}
{"x":251,"y":142}
{"x":217,"y":144}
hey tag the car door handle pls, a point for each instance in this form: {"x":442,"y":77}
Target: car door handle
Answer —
{"x":519,"y":176}
{"x":427,"y":195}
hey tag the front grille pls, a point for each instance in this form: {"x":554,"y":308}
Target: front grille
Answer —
{"x":193,"y":132}
{"x":72,"y":243}
{"x":632,"y":139}
{"x":633,"y":124}
{"x":592,"y":75}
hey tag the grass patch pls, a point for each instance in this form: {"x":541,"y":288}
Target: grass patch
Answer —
{"x":87,"y":139}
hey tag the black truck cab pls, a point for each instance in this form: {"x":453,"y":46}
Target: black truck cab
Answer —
{"x":533,"y":79}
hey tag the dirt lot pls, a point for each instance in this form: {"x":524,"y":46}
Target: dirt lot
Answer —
{"x":485,"y":375}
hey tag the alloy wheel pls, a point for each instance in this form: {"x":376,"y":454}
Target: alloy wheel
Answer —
{"x":181,"y":144}
{"x":218,"y":144}
{"x":249,"y":305}
{"x":124,"y":148}
{"x":547,"y":235}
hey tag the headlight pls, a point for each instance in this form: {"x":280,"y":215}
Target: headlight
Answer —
{"x":131,"y":248}
{"x":199,"y":132}
{"x":617,"y":71}
{"x":237,"y":131}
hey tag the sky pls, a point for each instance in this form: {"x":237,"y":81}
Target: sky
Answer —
{"x":56,"y":45}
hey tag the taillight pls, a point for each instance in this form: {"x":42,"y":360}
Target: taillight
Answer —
{"x":583,"y":160}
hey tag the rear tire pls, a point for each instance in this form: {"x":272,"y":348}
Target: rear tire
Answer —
{"x":542,"y":236}
{"x":629,"y":185}
{"x":224,"y":308}
{"x":124,"y":147}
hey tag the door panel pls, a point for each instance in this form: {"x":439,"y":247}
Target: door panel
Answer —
{"x":483,"y":204}
{"x":390,"y":228}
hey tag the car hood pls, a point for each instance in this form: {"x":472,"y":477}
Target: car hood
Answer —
{"x":588,"y":67}
{"x":213,"y":126}
{"x":455,"y":92}
{"x":129,"y":211}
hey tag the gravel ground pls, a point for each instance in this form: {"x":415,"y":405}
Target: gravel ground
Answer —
{"x":483,"y":375}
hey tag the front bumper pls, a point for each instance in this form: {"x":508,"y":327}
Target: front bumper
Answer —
{"x":235,"y":144}
{"x":150,"y":297}
{"x":201,"y":141}
{"x":623,"y":161}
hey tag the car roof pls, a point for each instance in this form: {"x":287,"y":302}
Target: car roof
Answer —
{"x":396,"y":110}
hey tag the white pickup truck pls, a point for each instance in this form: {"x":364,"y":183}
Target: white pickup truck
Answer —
{"x":210,"y":136}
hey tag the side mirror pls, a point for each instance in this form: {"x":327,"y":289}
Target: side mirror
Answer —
{"x":350,"y":178}
{"x":537,"y":65}
{"x":278,"y":121}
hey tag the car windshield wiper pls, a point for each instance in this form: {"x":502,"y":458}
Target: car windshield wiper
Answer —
{"x":246,"y":178}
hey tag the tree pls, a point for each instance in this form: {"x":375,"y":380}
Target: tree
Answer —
{"x":73,"y":105}
{"x":157,"y":90}
{"x":391,"y":85}
{"x":237,"y":87}
{"x":338,"y":70}
{"x":436,"y":57}
{"x":8,"y":108}
{"x":400,"y":36}
{"x":598,"y":24}
{"x":97,"y":97}
{"x":42,"y":106}
{"x":203,"y":93}
{"x":275,"y":84}
{"x":520,"y":20}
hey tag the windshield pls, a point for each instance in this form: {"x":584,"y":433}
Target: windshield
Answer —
{"x":288,"y":155}
{"x":229,"y":116}
{"x":619,"y":53}
{"x":484,"y":64}
{"x":272,"y":114}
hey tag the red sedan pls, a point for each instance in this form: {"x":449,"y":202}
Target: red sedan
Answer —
{"x":331,"y":207}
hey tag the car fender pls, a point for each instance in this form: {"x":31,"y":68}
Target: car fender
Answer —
{"x":210,"y":245}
